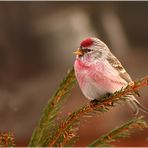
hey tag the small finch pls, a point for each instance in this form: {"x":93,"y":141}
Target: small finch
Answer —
{"x":99,"y":72}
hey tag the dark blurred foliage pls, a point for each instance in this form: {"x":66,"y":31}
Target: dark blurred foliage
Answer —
{"x":36,"y":44}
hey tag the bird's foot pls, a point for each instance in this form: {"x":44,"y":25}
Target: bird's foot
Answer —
{"x":94,"y":102}
{"x":108,"y":95}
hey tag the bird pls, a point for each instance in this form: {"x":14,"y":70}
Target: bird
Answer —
{"x":99,"y":72}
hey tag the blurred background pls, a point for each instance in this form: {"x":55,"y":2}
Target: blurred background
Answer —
{"x":37,"y":40}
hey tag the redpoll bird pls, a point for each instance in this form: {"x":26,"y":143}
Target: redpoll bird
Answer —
{"x":99,"y":72}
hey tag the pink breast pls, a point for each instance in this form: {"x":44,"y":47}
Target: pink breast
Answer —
{"x":80,"y":65}
{"x":81,"y":71}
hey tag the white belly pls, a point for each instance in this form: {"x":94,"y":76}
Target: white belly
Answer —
{"x":93,"y":92}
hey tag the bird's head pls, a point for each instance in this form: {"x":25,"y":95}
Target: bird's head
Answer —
{"x":93,"y":48}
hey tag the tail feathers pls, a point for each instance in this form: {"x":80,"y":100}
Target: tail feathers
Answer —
{"x":133,"y":106}
{"x":142,"y":108}
{"x":136,"y":106}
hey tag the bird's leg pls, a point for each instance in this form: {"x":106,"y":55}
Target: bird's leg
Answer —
{"x":94,"y":102}
{"x":108,"y":95}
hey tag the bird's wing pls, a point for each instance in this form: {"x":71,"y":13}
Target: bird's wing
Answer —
{"x":117,"y":65}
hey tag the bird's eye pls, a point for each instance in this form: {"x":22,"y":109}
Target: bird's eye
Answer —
{"x":88,"y":50}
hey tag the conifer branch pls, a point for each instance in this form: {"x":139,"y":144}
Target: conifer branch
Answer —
{"x":42,"y":133}
{"x":121,"y":132}
{"x":101,"y":106}
{"x":7,"y":140}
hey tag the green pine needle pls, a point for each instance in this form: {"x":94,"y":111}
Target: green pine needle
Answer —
{"x":121,"y":132}
{"x":44,"y":130}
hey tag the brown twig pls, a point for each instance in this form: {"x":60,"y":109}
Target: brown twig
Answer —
{"x":6,"y":140}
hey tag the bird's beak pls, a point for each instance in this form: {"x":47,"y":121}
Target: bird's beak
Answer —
{"x":78,"y":52}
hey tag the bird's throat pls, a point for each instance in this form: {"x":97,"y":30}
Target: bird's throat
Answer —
{"x":82,"y":64}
